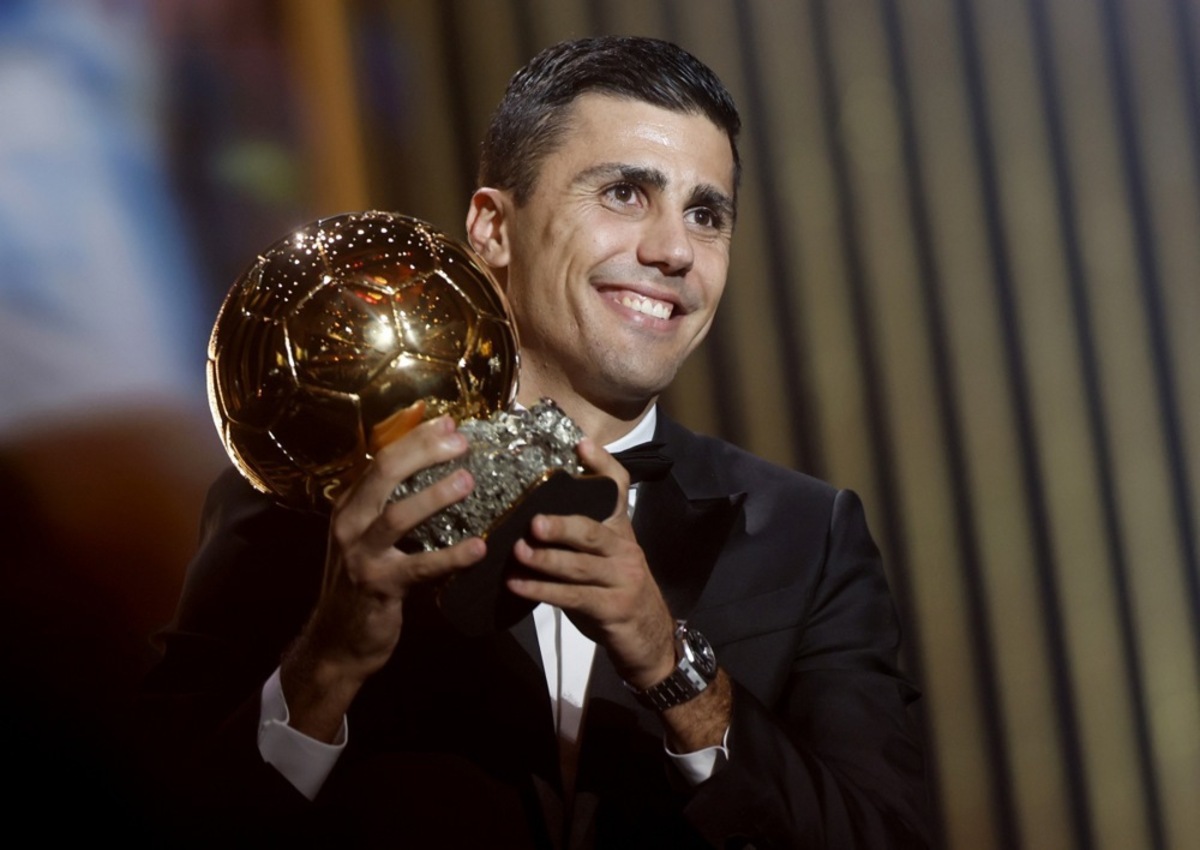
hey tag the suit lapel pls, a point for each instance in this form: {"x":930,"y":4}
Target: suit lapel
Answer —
{"x":681,"y":539}
{"x":524,"y":632}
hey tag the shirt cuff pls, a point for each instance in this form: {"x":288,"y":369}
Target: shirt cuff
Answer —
{"x":305,"y":762}
{"x":702,"y":764}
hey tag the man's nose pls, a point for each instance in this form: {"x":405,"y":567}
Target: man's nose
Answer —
{"x":666,"y":243}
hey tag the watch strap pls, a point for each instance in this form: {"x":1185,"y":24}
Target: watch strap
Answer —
{"x":686,"y":682}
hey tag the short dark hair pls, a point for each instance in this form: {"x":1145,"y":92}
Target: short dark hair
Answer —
{"x":530,"y":118}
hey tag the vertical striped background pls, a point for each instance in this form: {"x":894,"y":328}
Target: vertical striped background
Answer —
{"x":966,"y":283}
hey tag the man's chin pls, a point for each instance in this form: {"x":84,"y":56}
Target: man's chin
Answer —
{"x":624,"y":393}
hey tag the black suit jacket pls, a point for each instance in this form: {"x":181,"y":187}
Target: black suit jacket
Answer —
{"x":452,"y":741}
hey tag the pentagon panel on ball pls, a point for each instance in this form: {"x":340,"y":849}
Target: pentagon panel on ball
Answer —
{"x":337,"y":327}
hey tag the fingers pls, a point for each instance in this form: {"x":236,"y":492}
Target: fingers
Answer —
{"x":430,"y":443}
{"x":569,"y":597}
{"x":361,"y":506}
{"x":399,"y":518}
{"x":574,"y":532}
{"x":390,"y":573}
{"x":570,"y":580}
{"x":577,"y":550}
{"x":601,"y":579}
{"x":359,"y":616}
{"x":438,"y":564}
{"x":365,"y":526}
{"x":557,"y":567}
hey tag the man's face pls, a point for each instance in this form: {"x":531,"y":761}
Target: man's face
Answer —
{"x":618,"y":259}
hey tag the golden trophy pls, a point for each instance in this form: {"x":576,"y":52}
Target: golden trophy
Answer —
{"x":350,"y":329}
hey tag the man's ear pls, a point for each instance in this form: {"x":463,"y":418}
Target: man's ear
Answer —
{"x":487,"y":226}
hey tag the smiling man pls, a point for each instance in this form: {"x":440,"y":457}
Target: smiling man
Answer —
{"x":618,"y":256}
{"x":713,"y":665}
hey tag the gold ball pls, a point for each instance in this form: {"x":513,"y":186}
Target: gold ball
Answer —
{"x":338,"y":326}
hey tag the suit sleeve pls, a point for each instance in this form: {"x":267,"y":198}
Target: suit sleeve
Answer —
{"x":248,"y":592}
{"x":831,"y":759}
{"x":409,"y":781}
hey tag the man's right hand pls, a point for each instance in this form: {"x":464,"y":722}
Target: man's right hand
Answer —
{"x":358,"y":617}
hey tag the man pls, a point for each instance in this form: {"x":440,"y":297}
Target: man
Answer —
{"x":609,"y":182}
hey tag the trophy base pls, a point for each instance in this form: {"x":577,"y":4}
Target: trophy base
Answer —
{"x":476,"y":602}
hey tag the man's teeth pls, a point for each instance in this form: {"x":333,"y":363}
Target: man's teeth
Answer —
{"x":657,"y":309}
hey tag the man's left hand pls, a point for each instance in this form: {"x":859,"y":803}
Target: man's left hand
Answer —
{"x":596,"y":572}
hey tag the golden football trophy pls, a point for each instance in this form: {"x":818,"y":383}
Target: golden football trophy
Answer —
{"x":338,"y":333}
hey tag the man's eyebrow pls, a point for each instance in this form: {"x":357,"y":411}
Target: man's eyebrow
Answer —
{"x":639,"y":174}
{"x":704,"y":195}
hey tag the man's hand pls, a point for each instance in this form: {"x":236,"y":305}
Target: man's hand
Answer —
{"x":358,"y":617}
{"x":597,"y":573}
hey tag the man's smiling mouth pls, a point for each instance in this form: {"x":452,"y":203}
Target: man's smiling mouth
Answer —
{"x":647,"y":306}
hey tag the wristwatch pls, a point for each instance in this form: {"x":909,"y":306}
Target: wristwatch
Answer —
{"x":696,"y":669}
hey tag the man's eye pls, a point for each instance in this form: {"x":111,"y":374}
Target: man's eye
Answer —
{"x":623,"y":193}
{"x":704,"y":217}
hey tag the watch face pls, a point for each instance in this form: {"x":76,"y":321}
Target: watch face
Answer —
{"x":701,"y":654}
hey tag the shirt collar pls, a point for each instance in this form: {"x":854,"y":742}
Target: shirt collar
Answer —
{"x":643,"y":432}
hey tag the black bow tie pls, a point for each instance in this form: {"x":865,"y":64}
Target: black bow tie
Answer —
{"x":645,"y":462}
